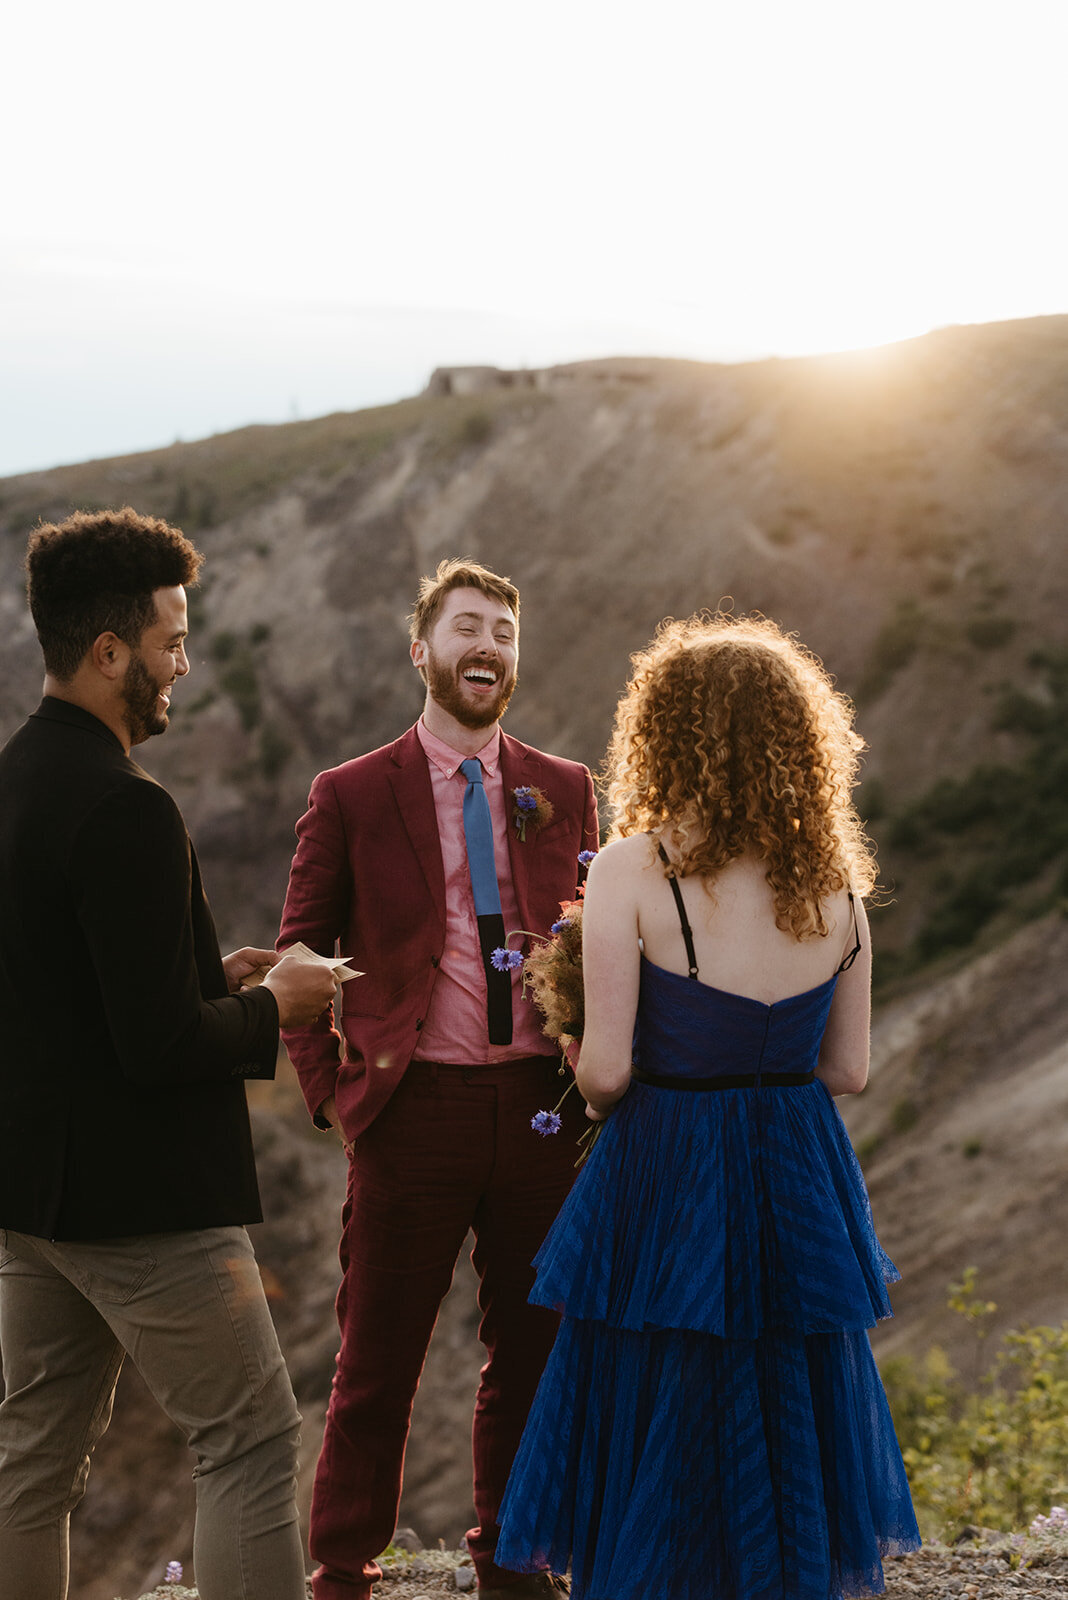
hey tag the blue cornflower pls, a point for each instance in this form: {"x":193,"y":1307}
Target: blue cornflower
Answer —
{"x":525,"y":801}
{"x":585,"y":857}
{"x":173,"y":1573}
{"x":545,"y":1122}
{"x":506,"y":960}
{"x":558,"y":927}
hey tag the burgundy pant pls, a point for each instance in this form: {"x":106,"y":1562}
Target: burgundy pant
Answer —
{"x":452,"y":1150}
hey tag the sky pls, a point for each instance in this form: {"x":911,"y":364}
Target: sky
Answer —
{"x":229,"y":212}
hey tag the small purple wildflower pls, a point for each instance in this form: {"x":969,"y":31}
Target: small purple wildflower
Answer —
{"x":1056,"y":1522}
{"x":546,"y":1122}
{"x":585,"y":857}
{"x":558,"y":927}
{"x":525,"y":800}
{"x":173,"y":1573}
{"x":506,"y":960}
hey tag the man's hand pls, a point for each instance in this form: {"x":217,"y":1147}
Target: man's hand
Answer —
{"x":303,"y":992}
{"x":328,"y":1111}
{"x":247,"y":963}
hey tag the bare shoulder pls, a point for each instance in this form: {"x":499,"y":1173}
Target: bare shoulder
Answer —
{"x":840,"y":909}
{"x":624,"y":860}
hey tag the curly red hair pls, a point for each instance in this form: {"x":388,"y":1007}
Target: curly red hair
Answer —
{"x":731,"y":735}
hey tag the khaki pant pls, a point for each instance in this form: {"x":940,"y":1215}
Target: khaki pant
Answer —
{"x":190,"y":1311}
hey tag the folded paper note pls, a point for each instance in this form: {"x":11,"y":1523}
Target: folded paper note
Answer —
{"x":307,"y":958}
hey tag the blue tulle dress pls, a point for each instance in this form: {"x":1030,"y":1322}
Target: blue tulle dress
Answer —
{"x":711,"y":1424}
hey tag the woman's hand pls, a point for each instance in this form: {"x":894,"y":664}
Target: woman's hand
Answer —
{"x":572,"y":1050}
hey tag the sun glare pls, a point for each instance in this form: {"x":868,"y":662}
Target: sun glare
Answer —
{"x":830,"y":330}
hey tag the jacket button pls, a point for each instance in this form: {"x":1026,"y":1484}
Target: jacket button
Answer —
{"x":434,"y":961}
{"x":419,"y":1024}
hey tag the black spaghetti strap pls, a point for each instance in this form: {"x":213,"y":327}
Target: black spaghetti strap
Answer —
{"x":687,"y":931}
{"x":847,"y":961}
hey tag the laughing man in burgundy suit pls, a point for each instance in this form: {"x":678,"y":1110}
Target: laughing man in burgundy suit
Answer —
{"x":440,"y":1063}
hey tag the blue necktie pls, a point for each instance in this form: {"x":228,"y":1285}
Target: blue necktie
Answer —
{"x":478,"y":835}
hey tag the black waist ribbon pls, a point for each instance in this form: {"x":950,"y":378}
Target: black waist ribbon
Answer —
{"x":737,"y":1080}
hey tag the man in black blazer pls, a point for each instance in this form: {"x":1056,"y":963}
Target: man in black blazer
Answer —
{"x":126,"y":1163}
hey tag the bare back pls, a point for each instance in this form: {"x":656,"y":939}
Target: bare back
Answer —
{"x":630,"y":913}
{"x":737,"y":945}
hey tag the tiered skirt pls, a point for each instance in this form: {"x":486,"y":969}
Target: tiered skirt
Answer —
{"x":711,"y":1424}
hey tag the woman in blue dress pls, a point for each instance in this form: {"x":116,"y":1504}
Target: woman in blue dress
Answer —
{"x":711,"y":1424}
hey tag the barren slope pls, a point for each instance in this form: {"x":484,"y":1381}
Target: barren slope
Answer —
{"x":905,"y":512}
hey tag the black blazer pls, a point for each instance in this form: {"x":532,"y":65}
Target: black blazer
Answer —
{"x":122,"y":1056}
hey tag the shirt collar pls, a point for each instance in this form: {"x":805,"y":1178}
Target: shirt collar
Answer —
{"x":447,"y":760}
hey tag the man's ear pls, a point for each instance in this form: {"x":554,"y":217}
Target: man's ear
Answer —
{"x":110,"y":655}
{"x":418,"y":655}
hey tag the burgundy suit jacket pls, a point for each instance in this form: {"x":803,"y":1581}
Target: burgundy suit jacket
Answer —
{"x":367,"y":878}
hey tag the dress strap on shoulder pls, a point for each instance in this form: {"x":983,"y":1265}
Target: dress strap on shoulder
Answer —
{"x":848,"y":960}
{"x":687,"y":931}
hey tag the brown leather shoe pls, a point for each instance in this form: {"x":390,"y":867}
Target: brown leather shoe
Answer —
{"x":532,"y":1586}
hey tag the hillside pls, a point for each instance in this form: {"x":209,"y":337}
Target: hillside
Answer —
{"x":903,"y":510}
{"x":963,"y":1134}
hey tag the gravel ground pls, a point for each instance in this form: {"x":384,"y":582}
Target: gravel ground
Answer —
{"x":1035,"y":1570}
{"x":980,"y":1572}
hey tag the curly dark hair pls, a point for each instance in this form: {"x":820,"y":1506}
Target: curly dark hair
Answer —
{"x":96,"y":573}
{"x":459,"y":573}
{"x":731,"y":734}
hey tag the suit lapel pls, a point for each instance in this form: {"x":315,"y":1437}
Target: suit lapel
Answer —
{"x":516,"y":772}
{"x":409,"y":778}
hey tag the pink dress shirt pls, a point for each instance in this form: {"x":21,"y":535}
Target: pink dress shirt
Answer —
{"x":455,"y":1028}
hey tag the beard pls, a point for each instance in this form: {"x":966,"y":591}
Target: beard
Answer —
{"x":140,"y":696}
{"x":446,"y":690}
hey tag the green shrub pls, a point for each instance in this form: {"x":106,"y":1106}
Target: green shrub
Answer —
{"x":204,"y":699}
{"x":987,"y":632}
{"x":239,"y":681}
{"x":904,"y":1114}
{"x":957,"y":919}
{"x":1021,"y":713}
{"x":223,"y":645}
{"x":868,"y":1148}
{"x":275,"y":751}
{"x":994,"y":831}
{"x":871,"y":799}
{"x":238,"y":678}
{"x":893,"y":648}
{"x":475,"y":428}
{"x":993,"y":1451}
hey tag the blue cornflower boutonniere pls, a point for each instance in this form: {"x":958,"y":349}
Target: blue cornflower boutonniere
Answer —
{"x":532,"y":810}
